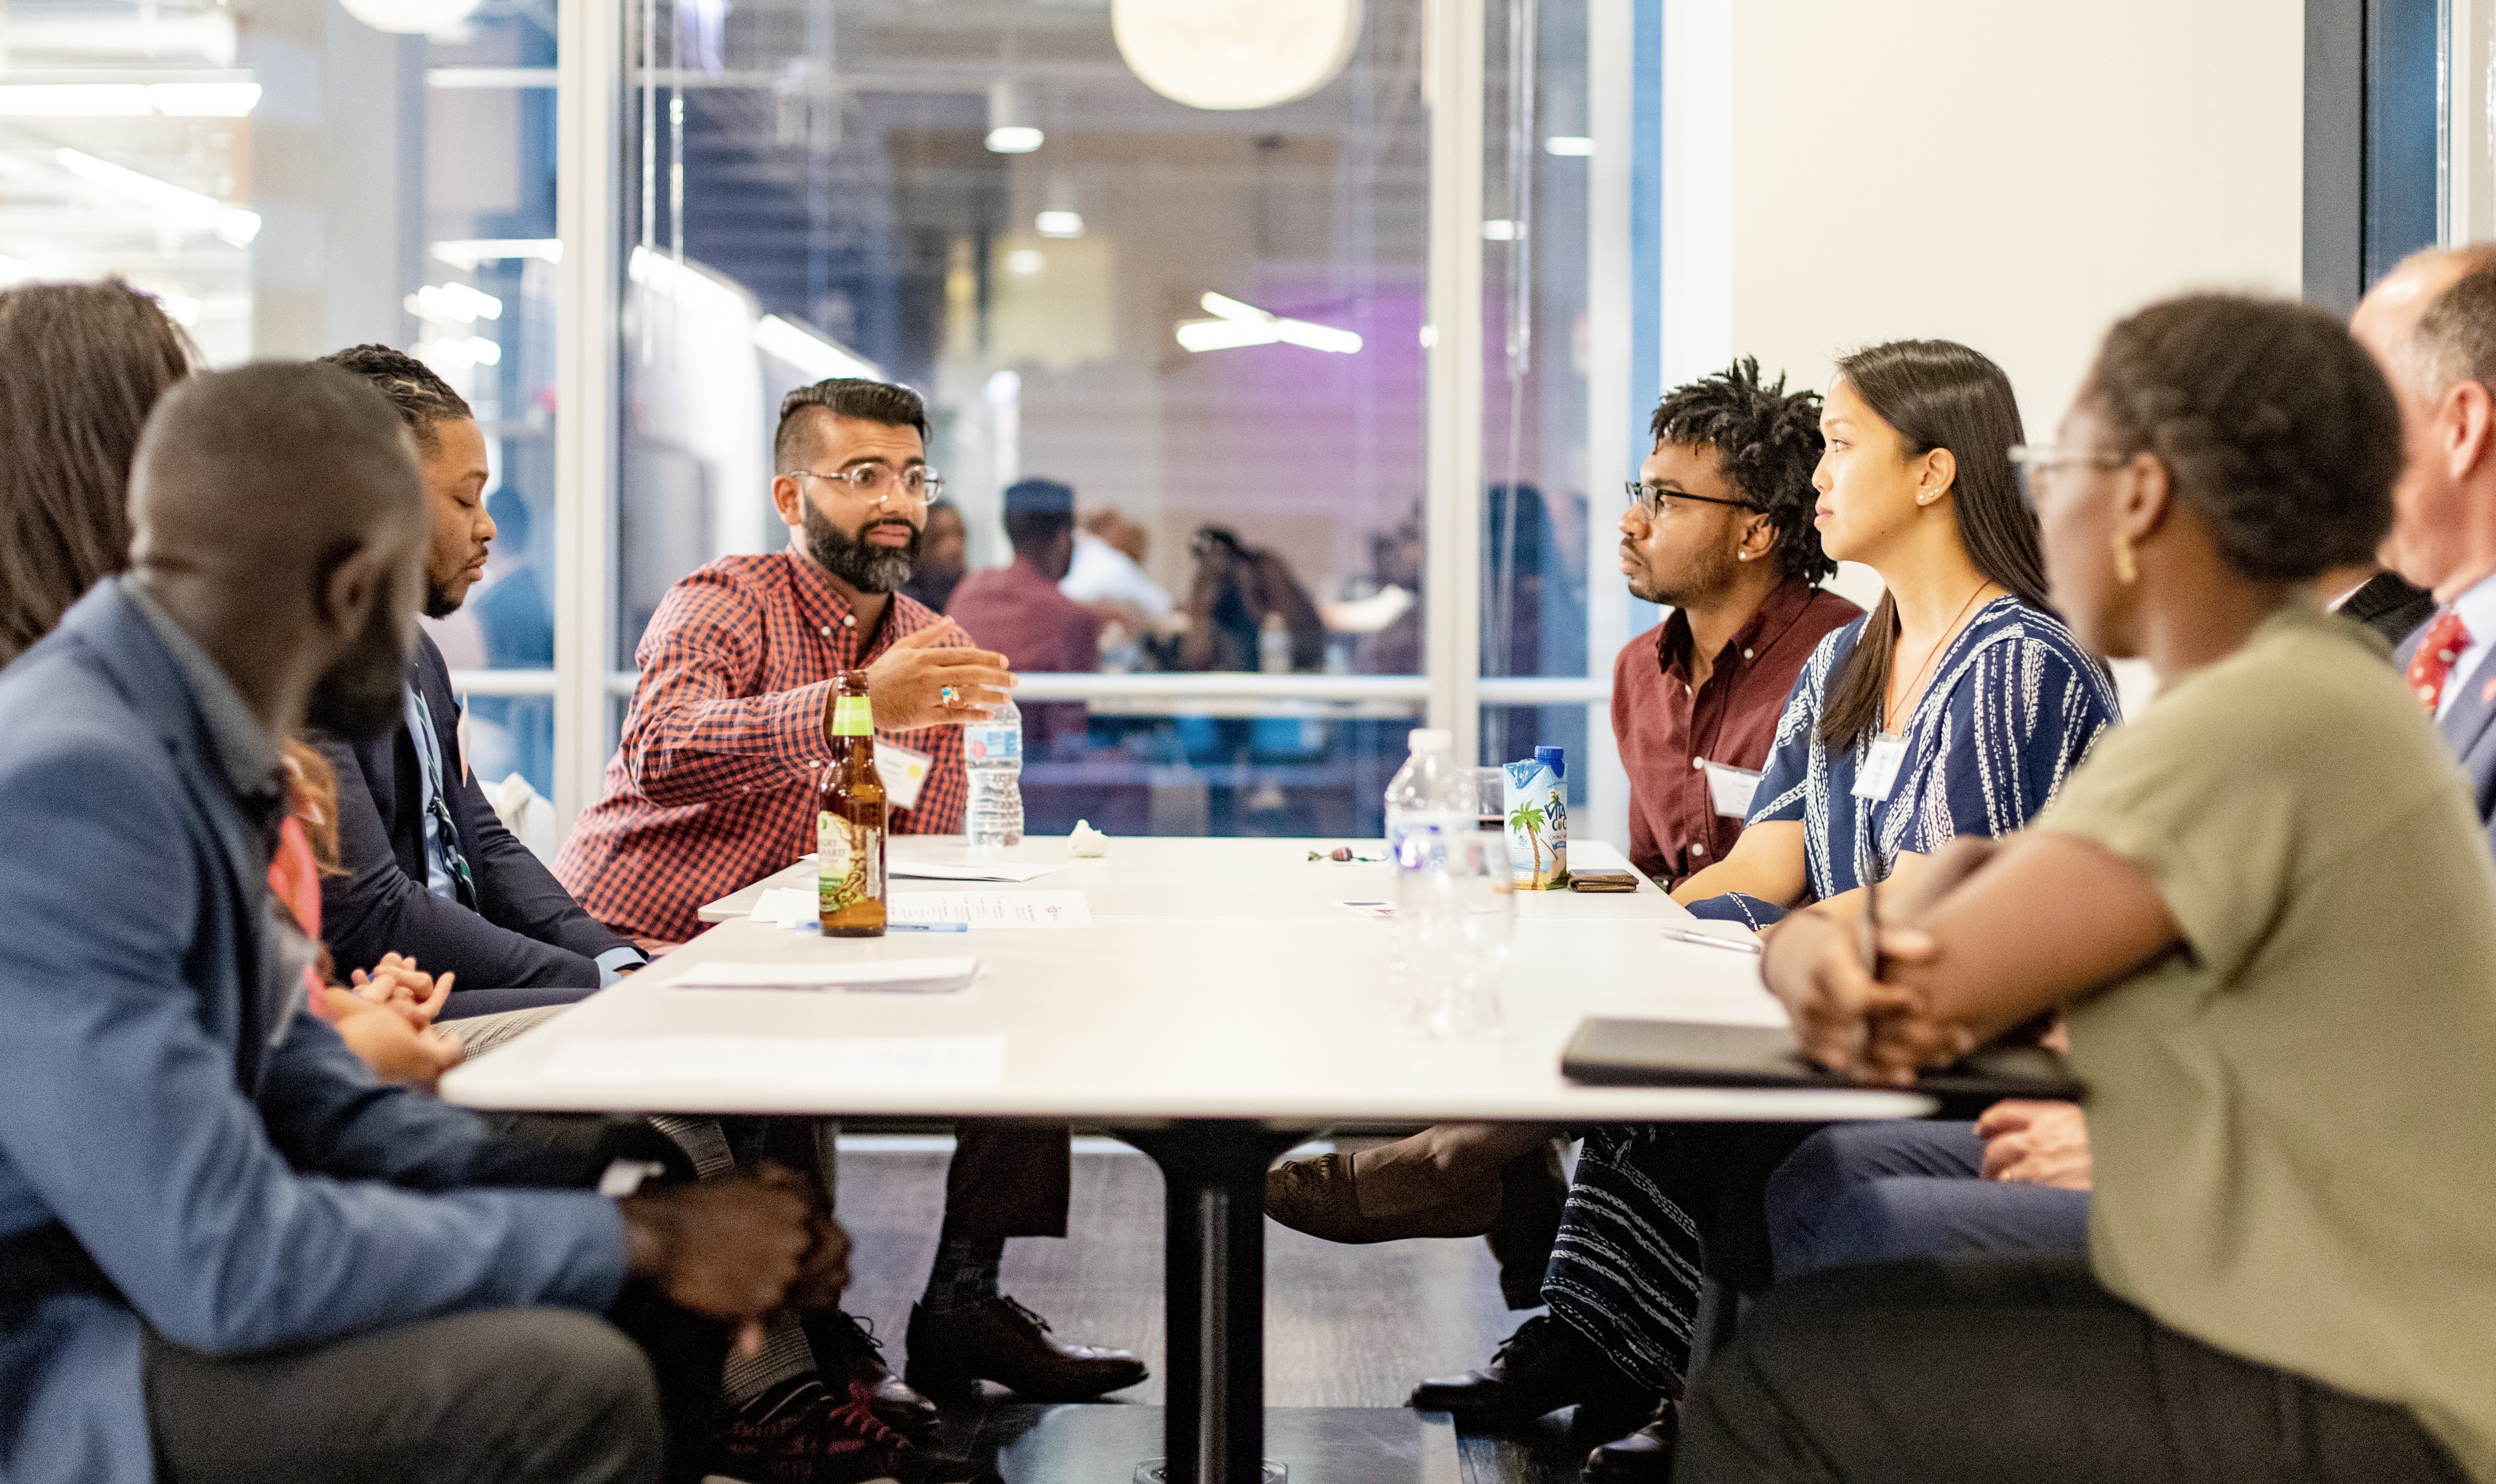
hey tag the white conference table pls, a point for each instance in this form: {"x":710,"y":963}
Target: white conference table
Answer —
{"x":1223,"y":1005}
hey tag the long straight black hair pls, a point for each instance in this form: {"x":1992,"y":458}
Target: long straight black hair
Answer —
{"x":1940,"y":395}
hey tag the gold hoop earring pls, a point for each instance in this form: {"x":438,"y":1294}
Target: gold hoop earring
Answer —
{"x":2127,"y":570}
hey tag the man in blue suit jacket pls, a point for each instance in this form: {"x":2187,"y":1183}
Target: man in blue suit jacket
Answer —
{"x":2431,"y":324}
{"x":222,"y":1248}
{"x":431,"y":872}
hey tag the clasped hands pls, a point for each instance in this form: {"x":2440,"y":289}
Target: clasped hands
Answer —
{"x":740,"y":1249}
{"x":387,"y":1018}
{"x":1875,"y":1029}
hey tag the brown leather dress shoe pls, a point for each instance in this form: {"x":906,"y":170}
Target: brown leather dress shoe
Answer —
{"x":847,"y":1355}
{"x":1645,"y":1457}
{"x":1542,"y":1367}
{"x":802,"y":1433}
{"x":952,"y":1350}
{"x":1316,"y":1197}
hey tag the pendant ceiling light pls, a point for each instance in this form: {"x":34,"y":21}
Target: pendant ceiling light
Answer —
{"x":1235,"y":53}
{"x":411,"y":17}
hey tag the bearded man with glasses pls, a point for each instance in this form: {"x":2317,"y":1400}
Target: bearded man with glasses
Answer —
{"x":713,"y":789}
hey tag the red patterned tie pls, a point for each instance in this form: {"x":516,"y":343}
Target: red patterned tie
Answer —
{"x":2432,"y":664}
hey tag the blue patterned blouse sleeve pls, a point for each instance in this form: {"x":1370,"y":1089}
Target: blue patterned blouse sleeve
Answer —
{"x":2022,"y":711}
{"x":1784,"y":784}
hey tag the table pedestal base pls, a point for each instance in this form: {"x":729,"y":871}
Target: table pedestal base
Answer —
{"x":1106,"y":1444}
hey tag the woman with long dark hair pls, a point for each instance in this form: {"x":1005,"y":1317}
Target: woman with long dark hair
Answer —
{"x":1956,"y":708}
{"x":1958,"y":704}
{"x":81,"y":368}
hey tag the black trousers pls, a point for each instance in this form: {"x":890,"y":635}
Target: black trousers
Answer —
{"x":529,"y":1396}
{"x":1981,"y":1370}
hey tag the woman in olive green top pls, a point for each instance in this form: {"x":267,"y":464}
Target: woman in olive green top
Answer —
{"x":2268,"y":914}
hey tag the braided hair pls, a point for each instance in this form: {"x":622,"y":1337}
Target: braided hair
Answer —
{"x":1767,"y":442}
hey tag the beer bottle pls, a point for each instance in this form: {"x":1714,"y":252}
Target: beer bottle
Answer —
{"x":849,"y":820}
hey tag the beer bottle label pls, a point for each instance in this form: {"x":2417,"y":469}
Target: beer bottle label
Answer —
{"x":852,"y":716}
{"x":847,"y":867}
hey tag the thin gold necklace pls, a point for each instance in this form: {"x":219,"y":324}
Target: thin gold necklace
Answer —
{"x":1935,"y":653}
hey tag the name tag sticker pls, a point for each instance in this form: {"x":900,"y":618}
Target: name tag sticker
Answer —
{"x":902,"y":771}
{"x":1880,"y":771}
{"x":1730,"y":789}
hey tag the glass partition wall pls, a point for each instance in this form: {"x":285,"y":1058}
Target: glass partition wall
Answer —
{"x":1182,"y":260}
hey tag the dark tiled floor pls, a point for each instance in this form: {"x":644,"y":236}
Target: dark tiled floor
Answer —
{"x":1345,"y":1326}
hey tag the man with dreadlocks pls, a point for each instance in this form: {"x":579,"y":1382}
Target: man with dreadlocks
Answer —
{"x":1719,"y":528}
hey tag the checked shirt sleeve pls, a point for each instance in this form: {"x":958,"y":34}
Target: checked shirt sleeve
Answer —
{"x":693,"y":735}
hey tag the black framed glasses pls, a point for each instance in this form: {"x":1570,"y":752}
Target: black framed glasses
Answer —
{"x":2033,"y":465}
{"x":879,"y":485}
{"x":1650,"y":497}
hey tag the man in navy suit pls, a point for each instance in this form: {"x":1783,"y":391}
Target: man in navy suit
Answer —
{"x":431,"y":872}
{"x":2431,"y":324}
{"x":225,"y":1253}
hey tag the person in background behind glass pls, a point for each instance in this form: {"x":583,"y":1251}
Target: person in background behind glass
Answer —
{"x":1018,"y":611}
{"x":1107,"y":574}
{"x":943,"y":556}
{"x":80,"y":366}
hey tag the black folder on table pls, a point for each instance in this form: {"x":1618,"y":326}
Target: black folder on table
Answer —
{"x":1687,"y":1053}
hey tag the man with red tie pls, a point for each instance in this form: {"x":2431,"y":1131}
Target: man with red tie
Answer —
{"x":2431,"y":325}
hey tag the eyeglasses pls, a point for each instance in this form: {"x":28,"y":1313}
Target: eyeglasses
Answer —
{"x":2034,"y":465}
{"x":877,"y":483}
{"x":1650,"y":497}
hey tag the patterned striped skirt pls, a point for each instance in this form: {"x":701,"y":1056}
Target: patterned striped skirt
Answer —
{"x":1653,"y":1208}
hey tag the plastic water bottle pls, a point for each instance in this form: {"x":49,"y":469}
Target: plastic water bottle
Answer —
{"x":1453,"y":923}
{"x":992,"y":756}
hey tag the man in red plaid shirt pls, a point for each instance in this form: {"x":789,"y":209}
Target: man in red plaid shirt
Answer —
{"x":713,"y":789}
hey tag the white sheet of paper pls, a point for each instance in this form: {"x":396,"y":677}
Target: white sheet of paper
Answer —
{"x":916,"y":975}
{"x":848,"y":1063}
{"x":983,"y":909}
{"x":902,"y":772}
{"x":789,"y":906}
{"x":960,"y":871}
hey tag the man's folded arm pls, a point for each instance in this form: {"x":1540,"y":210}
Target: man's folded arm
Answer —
{"x":377,"y":907}
{"x":124,"y":1117}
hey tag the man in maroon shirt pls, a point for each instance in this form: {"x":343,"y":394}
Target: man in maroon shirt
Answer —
{"x":1719,"y":526}
{"x":1018,"y":610}
{"x":1720,"y":529}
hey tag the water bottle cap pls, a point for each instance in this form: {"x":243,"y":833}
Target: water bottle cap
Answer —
{"x":1556,"y":758}
{"x":1430,"y":739}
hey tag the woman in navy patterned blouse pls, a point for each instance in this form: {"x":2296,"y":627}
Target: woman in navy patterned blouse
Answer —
{"x":1957,"y":706}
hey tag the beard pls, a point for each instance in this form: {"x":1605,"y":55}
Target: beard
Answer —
{"x":359,"y":696}
{"x":1703,"y":577}
{"x":867,"y":568}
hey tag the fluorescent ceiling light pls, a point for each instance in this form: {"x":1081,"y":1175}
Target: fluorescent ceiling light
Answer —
{"x":1500,"y":230}
{"x":1569,"y":145}
{"x":468,"y":252}
{"x":1026,"y":262}
{"x":691,"y":284}
{"x":1015,"y":140}
{"x":1059,"y":224}
{"x":452,"y":305}
{"x":814,"y":354}
{"x":186,"y":207}
{"x":463,"y":353}
{"x":1235,"y":325}
{"x":128,"y":100}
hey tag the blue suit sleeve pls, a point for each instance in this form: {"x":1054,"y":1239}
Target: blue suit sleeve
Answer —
{"x":121,"y":1111}
{"x":377,"y":907}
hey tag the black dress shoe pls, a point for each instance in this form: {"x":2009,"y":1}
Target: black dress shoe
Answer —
{"x":1645,"y":1457}
{"x":1542,"y":1367}
{"x":849,"y":1359}
{"x":952,"y":1350}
